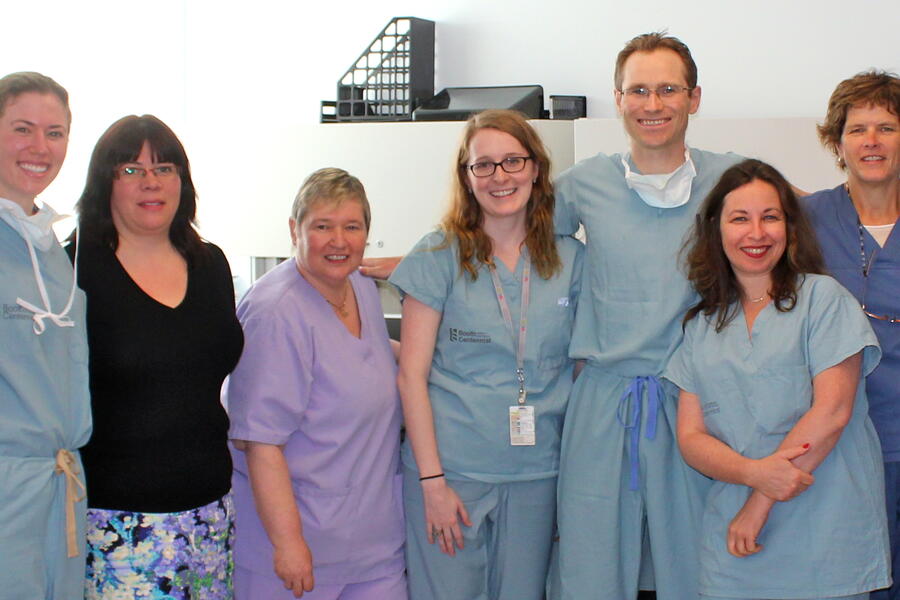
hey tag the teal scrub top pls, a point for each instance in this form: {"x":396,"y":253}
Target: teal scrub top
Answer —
{"x":636,"y":288}
{"x":44,"y":407}
{"x":831,"y":540}
{"x":473,"y":382}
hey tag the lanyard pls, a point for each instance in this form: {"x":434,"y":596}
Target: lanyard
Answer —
{"x":518,"y":341}
{"x":866,"y":265}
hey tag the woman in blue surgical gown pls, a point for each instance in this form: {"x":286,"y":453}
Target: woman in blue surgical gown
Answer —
{"x":773,"y":404}
{"x":44,"y":405}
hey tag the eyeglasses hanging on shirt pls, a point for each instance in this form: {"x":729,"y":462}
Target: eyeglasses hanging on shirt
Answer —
{"x":866,"y":264}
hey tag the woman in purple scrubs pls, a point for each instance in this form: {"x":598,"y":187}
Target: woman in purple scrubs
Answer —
{"x":315,"y":416}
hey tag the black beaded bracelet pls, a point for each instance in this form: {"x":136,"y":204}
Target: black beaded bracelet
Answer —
{"x":431,"y":477}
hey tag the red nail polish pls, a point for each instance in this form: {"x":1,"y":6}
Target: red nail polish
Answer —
{"x":806,"y":445}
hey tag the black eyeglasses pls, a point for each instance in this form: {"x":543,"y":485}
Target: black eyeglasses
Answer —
{"x":510,"y":164}
{"x":866,"y":264}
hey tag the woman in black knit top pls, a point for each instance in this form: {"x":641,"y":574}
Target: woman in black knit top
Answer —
{"x":162,"y":336}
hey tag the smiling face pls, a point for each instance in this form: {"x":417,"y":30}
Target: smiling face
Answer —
{"x":330,"y":241}
{"x":501,"y":195}
{"x":142,"y":206}
{"x":653,"y":123}
{"x":34,"y":136}
{"x":754,"y":231}
{"x":870,"y":145}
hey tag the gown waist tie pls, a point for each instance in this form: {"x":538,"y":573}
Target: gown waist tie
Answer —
{"x":633,"y":394}
{"x":68,"y":466}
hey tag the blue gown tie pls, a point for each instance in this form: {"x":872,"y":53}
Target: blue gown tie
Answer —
{"x":634,"y":391}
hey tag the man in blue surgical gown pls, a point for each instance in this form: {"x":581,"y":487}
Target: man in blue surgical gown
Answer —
{"x":629,"y":506}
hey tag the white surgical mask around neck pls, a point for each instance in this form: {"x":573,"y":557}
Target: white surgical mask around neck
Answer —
{"x":37,"y":230}
{"x":663,"y":190}
{"x":38,"y":227}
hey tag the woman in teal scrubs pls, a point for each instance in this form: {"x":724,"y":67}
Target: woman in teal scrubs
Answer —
{"x":773,"y":404}
{"x":484,"y":372}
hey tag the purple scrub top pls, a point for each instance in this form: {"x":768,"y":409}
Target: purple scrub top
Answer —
{"x":331,"y":400}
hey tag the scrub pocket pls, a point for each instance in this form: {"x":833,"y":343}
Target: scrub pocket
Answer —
{"x":780,"y":397}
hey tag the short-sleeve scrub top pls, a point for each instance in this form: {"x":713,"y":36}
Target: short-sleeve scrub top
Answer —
{"x":831,"y":540}
{"x":330,"y":399}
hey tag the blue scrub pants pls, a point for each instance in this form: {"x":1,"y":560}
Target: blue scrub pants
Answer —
{"x":603,"y":524}
{"x":892,"y":494}
{"x":507,"y":548}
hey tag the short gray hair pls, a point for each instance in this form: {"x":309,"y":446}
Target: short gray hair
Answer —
{"x":329,"y":186}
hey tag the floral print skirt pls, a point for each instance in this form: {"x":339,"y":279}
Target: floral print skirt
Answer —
{"x":161,"y":556}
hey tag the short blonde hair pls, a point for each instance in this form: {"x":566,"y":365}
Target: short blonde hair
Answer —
{"x":330,"y":186}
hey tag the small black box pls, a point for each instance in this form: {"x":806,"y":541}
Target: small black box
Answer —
{"x":568,"y":107}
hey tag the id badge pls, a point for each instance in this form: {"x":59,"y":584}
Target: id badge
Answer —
{"x":521,"y":425}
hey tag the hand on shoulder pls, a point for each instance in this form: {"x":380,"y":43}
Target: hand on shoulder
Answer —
{"x":379,"y":268}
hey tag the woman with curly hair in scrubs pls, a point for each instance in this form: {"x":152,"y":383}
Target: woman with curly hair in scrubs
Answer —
{"x":773,"y":404}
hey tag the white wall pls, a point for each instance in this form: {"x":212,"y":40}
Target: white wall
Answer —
{"x":232,"y":78}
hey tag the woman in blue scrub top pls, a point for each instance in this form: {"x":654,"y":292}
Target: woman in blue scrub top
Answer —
{"x":484,"y":373}
{"x":44,"y":404}
{"x":773,"y":405}
{"x":857,"y":224}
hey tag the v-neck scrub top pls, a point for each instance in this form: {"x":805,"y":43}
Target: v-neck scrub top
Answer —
{"x":638,"y":294}
{"x":331,"y":400}
{"x":831,"y":540}
{"x":837,"y":227}
{"x":44,"y":407}
{"x":472,"y":382}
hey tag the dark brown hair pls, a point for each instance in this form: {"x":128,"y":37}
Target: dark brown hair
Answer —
{"x":658,"y":40}
{"x":875,"y":88}
{"x":121,"y":144}
{"x":708,"y":268}
{"x":463,"y":221}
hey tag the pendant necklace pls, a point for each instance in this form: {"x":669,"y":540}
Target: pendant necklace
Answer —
{"x":757,"y":300}
{"x":340,"y":308}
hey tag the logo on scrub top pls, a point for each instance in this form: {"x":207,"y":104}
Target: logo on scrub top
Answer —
{"x":469,"y":337}
{"x":14,"y":311}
